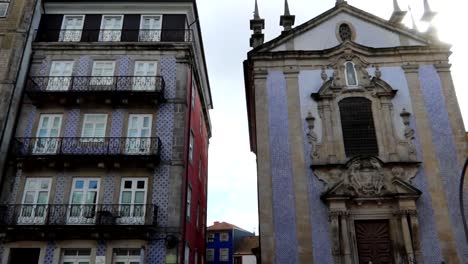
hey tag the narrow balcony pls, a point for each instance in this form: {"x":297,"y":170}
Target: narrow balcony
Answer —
{"x":106,"y":89}
{"x":78,"y":149}
{"x":77,"y":221}
{"x":114,"y":35}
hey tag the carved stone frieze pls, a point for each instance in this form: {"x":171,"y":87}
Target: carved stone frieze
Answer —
{"x":367,"y":177}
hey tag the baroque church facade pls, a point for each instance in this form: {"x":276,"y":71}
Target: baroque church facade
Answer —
{"x":359,"y":140}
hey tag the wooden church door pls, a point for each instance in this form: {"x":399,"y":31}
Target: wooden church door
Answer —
{"x":373,"y":242}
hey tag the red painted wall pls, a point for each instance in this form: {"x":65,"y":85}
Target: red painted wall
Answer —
{"x":197,"y":179}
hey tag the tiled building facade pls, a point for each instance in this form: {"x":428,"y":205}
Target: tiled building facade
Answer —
{"x":359,"y":140}
{"x":108,"y":163}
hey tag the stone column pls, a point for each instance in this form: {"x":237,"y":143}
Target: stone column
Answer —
{"x":389,"y":130}
{"x":265,"y":195}
{"x":345,"y":238}
{"x":333,"y":218}
{"x":406,"y":236}
{"x":414,"y":223}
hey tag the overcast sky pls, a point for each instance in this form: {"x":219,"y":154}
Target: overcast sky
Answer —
{"x":232,"y":188}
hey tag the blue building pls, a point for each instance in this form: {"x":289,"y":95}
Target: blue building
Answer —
{"x":221,"y":241}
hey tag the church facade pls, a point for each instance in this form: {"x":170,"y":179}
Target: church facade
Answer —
{"x":359,"y":140}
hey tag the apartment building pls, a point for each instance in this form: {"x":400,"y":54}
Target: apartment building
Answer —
{"x":108,"y":161}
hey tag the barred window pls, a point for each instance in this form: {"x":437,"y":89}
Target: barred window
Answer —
{"x":345,"y":32}
{"x":357,"y":124}
{"x":4,"y":4}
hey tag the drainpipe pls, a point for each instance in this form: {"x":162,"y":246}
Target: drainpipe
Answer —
{"x":462,"y":207}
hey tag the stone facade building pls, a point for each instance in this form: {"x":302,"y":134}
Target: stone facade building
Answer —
{"x":359,"y":140}
{"x":108,"y":160}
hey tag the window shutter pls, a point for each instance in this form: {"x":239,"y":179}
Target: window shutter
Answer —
{"x":357,"y":124}
{"x":91,"y":28}
{"x":4,"y":9}
{"x":130,"y":29}
{"x":49,"y":28}
{"x":173,"y":28}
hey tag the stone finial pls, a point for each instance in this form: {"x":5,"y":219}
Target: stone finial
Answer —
{"x":413,"y":22}
{"x":398,"y":15}
{"x":339,"y":2}
{"x":257,"y":25}
{"x":428,"y":15}
{"x":287,"y":20}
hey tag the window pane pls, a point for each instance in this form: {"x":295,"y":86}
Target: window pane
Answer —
{"x":77,"y":197}
{"x":93,"y":184}
{"x":141,"y":184}
{"x":139,"y":197}
{"x":29,"y":198}
{"x":126,"y":197}
{"x":45,"y":184}
{"x":91,"y":197}
{"x":79,"y":184}
{"x":128,"y":184}
{"x":42,"y":198}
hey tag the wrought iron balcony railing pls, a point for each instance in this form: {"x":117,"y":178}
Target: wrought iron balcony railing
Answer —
{"x":92,"y":84}
{"x":78,"y":214}
{"x":114,"y":35}
{"x":86,"y":146}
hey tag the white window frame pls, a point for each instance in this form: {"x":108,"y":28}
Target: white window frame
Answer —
{"x":138,"y":79}
{"x":48,"y":145}
{"x":6,"y":4}
{"x":87,"y":212}
{"x":102,"y":79}
{"x":75,"y":259}
{"x":139,"y":145}
{"x":210,"y":254}
{"x":117,"y":31}
{"x":93,"y":138}
{"x":34,"y":213}
{"x":189,"y":203}
{"x":60,"y":83}
{"x":132,"y":220}
{"x":224,"y":236}
{"x":354,"y":72}
{"x":126,"y":259}
{"x":152,"y":36}
{"x":191,"y":146}
{"x":75,"y":36}
{"x":224,"y":251}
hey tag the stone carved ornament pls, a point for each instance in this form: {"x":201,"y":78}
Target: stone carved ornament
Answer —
{"x":366,"y":177}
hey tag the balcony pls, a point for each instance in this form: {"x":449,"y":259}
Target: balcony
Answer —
{"x":70,"y":221}
{"x":78,"y":149}
{"x":107,"y":35}
{"x":106,"y":89}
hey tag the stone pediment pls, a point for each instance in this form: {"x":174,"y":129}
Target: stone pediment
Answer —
{"x":368,"y":177}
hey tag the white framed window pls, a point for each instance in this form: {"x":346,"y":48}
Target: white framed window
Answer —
{"x":350,"y":74}
{"x":150,"y":28}
{"x":126,"y":256}
{"x":94,"y":127}
{"x":60,"y":75}
{"x":139,"y":133}
{"x":72,"y":27}
{"x":83,"y":200}
{"x":47,"y":134}
{"x":35,"y":200}
{"x":210,"y":254}
{"x":111,"y":28}
{"x":224,"y":254}
{"x":4,"y":4}
{"x":197,"y":221}
{"x":133,"y":201}
{"x":76,"y":256}
{"x":191,"y":146}
{"x":211,"y":237}
{"x":103,"y":73}
{"x":145,"y":75}
{"x":224,"y":236}
{"x":189,"y":202}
